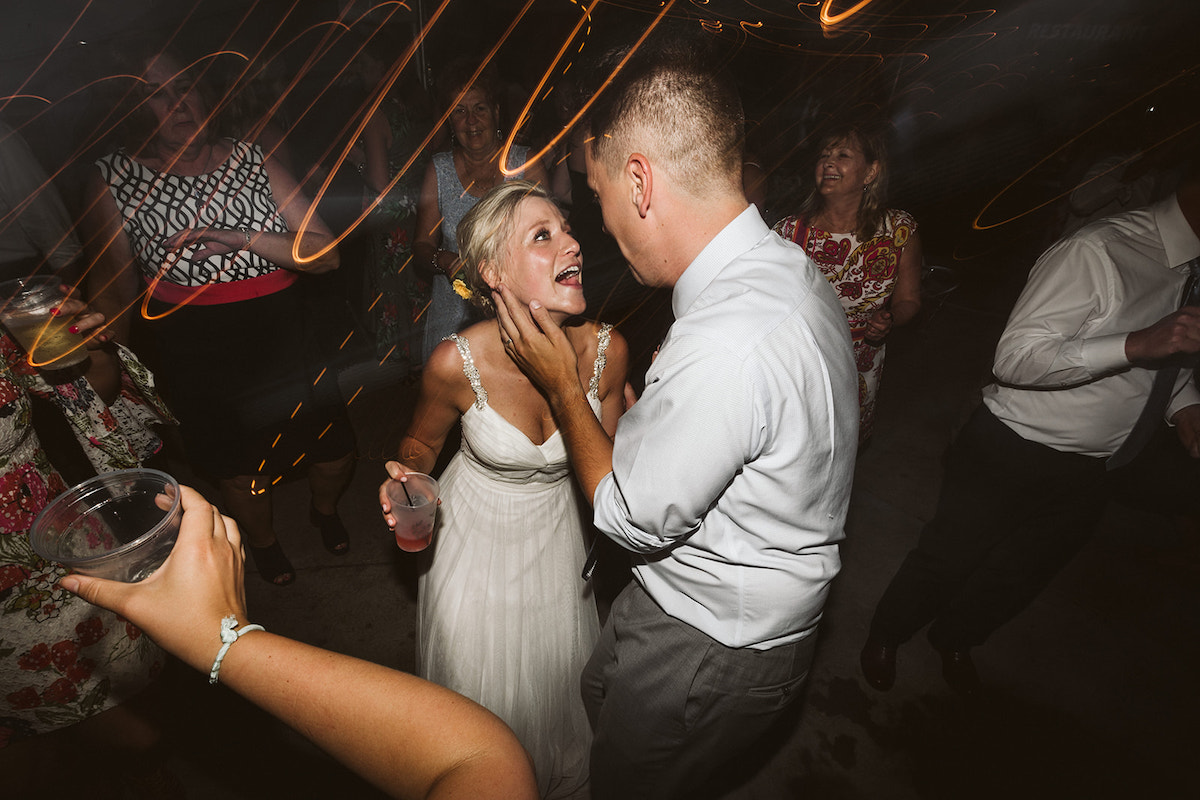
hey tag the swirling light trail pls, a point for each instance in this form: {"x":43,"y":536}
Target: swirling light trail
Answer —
{"x":977,"y":225}
{"x":829,"y":20}
{"x":588,"y":104}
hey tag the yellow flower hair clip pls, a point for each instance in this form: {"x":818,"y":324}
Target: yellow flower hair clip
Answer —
{"x":461,"y":289}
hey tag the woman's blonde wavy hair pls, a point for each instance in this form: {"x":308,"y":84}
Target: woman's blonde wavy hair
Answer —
{"x":483,"y":233}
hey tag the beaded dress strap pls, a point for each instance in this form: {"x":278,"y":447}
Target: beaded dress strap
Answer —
{"x":603,"y":337}
{"x":470,"y":370}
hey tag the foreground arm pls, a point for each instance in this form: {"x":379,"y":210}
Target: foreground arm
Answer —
{"x":542,"y":351}
{"x":407,"y":736}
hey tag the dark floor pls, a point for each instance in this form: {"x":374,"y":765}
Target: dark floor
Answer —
{"x":1091,"y":692}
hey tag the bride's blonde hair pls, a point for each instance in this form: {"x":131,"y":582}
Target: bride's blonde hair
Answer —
{"x":483,"y":232}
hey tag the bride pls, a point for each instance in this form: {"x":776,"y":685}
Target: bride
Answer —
{"x":503,"y":615}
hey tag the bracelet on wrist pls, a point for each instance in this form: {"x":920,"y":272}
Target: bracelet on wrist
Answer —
{"x":230,"y":633}
{"x":245,"y":232}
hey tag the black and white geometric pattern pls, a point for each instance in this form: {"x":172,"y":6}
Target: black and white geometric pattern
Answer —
{"x":157,"y":205}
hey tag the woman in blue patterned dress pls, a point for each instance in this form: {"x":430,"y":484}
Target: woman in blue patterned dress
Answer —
{"x":870,"y":253}
{"x":454,"y":182}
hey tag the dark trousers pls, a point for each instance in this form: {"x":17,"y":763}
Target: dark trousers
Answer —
{"x":672,"y":707}
{"x":1011,"y":514}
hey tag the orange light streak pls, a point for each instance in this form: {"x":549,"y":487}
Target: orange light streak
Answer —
{"x":546,"y":76}
{"x":9,"y":97}
{"x":392,"y":76}
{"x":977,"y":225}
{"x":829,"y":20}
{"x":51,"y":52}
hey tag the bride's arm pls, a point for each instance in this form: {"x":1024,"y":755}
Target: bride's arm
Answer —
{"x":445,"y":394}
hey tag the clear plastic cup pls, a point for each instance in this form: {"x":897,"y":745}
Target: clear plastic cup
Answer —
{"x":414,"y":510}
{"x":120,"y":525}
{"x":25,"y":306}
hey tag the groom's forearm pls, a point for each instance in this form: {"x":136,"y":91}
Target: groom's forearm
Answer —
{"x":588,"y":444}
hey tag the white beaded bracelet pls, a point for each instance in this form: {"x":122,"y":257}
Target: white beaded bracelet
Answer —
{"x":229,"y":636}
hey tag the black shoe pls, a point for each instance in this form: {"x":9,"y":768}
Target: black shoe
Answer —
{"x":333,"y":532}
{"x":272,"y":564}
{"x":878,"y":662}
{"x":959,"y":671}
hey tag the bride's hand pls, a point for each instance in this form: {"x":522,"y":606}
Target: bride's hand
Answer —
{"x":396,"y":472}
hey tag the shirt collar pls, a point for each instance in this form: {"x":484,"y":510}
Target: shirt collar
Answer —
{"x":742,"y":233}
{"x":1179,"y":240}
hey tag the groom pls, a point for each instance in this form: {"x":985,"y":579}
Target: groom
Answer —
{"x":729,"y":479}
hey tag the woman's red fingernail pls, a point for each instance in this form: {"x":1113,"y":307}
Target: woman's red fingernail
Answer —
{"x":74,"y":329}
{"x":54,"y":312}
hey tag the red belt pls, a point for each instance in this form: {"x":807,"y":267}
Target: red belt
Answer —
{"x":211,"y":294}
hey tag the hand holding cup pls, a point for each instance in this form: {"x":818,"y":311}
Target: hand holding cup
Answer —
{"x":409,"y":501}
{"x":42,"y":316}
{"x":181,"y":605}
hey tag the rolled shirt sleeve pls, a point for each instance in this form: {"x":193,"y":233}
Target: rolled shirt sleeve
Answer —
{"x":1062,"y":376}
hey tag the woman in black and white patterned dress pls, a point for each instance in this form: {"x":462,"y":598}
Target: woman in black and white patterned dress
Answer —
{"x":205,"y":239}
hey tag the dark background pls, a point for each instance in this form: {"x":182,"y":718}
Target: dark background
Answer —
{"x":995,"y":110}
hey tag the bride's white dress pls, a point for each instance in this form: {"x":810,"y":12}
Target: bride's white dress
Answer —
{"x":503,"y":614}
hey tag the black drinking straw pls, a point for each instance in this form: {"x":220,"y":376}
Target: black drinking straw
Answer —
{"x":407,"y":496}
{"x":589,"y":565}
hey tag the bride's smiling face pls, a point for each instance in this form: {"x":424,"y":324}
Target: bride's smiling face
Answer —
{"x":541,"y":260}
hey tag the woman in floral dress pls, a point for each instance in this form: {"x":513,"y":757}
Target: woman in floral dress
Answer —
{"x":870,"y":253}
{"x":63,"y":660}
{"x":396,"y":293}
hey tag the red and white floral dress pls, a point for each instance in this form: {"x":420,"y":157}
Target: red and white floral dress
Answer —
{"x":62,"y":659}
{"x":864,"y":275}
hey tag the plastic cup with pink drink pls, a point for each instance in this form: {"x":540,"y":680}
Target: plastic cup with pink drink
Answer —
{"x":414,"y":504}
